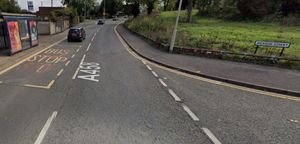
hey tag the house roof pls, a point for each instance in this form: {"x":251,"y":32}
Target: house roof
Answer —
{"x":45,"y":11}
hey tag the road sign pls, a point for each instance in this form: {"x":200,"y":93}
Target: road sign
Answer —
{"x":30,"y":5}
{"x":272,"y":44}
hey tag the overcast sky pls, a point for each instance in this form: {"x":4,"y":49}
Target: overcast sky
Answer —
{"x":38,"y":3}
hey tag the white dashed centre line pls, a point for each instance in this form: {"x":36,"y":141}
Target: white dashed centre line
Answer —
{"x":144,"y":62}
{"x":191,"y":114}
{"x":77,"y":70}
{"x":45,"y":128}
{"x":154,"y":73}
{"x":77,"y":50}
{"x":162,"y":82}
{"x":211,"y":136}
{"x":88,"y":48}
{"x":173,"y":94}
{"x":60,"y":72}
{"x":73,"y":56}
{"x":149,"y":68}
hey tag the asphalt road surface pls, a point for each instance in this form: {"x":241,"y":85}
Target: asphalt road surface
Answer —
{"x":98,"y":91}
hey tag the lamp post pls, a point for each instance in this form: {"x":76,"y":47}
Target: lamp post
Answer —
{"x":175,"y":28}
{"x":104,"y":13}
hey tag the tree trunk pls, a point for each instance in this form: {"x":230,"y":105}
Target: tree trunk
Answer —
{"x":189,"y":10}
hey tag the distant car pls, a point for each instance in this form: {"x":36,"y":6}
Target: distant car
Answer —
{"x":77,"y":34}
{"x":115,"y":18}
{"x":101,"y":22}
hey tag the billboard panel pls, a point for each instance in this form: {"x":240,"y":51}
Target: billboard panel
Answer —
{"x":14,"y":36}
{"x":33,"y":33}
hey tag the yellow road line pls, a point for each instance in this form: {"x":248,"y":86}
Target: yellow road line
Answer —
{"x":251,"y":90}
{"x":22,"y":61}
{"x":41,"y":87}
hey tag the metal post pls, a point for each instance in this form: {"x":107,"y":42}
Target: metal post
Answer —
{"x":281,"y":51}
{"x":175,"y":28}
{"x":104,"y":12}
{"x":51,"y":3}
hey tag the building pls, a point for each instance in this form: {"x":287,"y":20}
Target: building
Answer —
{"x":17,"y":32}
{"x":26,"y":4}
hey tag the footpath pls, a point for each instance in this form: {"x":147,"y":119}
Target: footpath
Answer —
{"x":44,"y":42}
{"x":266,"y":78}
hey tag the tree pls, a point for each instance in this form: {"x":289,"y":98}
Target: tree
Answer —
{"x":82,"y":6}
{"x":254,"y":8}
{"x":290,"y":6}
{"x":190,"y":11}
{"x":9,"y":6}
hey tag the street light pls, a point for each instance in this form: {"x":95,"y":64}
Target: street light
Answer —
{"x":175,"y":28}
{"x":104,"y":9}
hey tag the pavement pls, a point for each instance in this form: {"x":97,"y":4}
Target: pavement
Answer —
{"x":99,"y":91}
{"x":268,"y":78}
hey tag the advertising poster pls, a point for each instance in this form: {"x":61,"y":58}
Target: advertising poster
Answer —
{"x":24,"y":33}
{"x":33,"y":33}
{"x":14,"y":36}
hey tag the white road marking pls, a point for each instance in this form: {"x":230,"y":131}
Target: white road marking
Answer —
{"x":45,"y":128}
{"x":93,"y":38}
{"x":149,"y":67}
{"x":144,"y":62}
{"x":60,"y":72}
{"x":191,"y":114}
{"x":211,"y":136}
{"x":174,"y":95}
{"x":154,"y":73}
{"x":67,"y":63}
{"x":75,"y":74}
{"x":162,"y":82}
{"x":73,"y":56}
{"x":88,"y":48}
{"x":1,"y":82}
{"x":77,"y":50}
{"x":77,"y":70}
{"x":82,"y":59}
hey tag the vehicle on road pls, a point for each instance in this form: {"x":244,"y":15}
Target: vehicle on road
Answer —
{"x":101,"y":22}
{"x":77,"y":34}
{"x":115,"y":18}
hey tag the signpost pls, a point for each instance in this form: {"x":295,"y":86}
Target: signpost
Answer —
{"x":272,"y":44}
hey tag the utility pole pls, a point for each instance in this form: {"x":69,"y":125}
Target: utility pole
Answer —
{"x":104,"y":12}
{"x":175,"y":28}
{"x":51,"y":3}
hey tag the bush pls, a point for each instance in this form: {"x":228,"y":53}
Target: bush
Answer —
{"x":254,"y":8}
{"x":290,"y":6}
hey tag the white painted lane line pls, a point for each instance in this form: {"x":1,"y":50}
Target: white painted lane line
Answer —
{"x":88,"y":48}
{"x":93,"y":38}
{"x":77,"y":50}
{"x":73,"y":56}
{"x":144,"y":62}
{"x":67,"y":63}
{"x":82,"y":59}
{"x":60,"y":72}
{"x":149,"y":67}
{"x":77,"y":70}
{"x":154,"y":73}
{"x":191,"y":114}
{"x":162,"y":82}
{"x":45,"y":128}
{"x":1,"y":82}
{"x":174,"y":95}
{"x":211,"y":136}
{"x":75,"y":74}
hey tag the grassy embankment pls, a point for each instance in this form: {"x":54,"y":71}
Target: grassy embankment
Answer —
{"x":218,"y":34}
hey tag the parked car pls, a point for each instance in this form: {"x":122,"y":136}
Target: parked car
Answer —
{"x":77,"y":34}
{"x":101,"y":22}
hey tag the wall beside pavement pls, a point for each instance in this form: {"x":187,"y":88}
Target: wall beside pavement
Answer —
{"x":49,"y":28}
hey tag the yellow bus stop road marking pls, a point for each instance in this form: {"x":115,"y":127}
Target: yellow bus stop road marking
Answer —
{"x":41,"y":87}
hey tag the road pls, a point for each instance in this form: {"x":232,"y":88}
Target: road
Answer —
{"x":99,"y":91}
